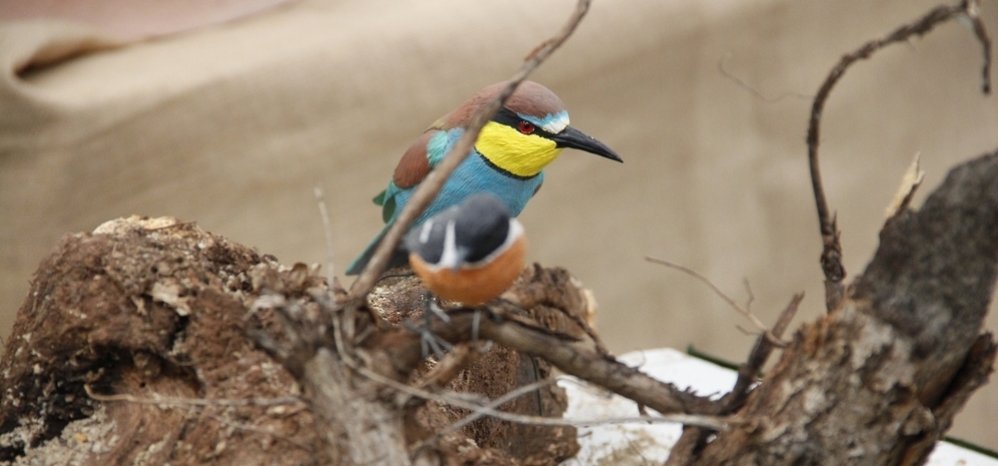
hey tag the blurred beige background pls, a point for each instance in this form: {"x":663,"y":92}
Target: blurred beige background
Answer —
{"x":232,"y":125}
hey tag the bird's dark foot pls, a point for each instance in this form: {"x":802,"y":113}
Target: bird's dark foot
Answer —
{"x":430,"y":343}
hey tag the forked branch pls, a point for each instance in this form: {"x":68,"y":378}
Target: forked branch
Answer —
{"x":831,"y":254}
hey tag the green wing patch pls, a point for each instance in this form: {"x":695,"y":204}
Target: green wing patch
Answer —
{"x":388,"y":210}
{"x":386,"y":199}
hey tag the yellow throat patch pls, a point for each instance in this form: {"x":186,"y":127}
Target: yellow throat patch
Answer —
{"x":520,"y":154}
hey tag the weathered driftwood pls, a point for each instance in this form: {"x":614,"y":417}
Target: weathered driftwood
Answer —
{"x":879,"y":379}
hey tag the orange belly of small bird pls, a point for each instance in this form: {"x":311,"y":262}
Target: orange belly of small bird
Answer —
{"x":473,"y":285}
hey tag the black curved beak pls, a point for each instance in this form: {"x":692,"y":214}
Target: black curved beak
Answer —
{"x":571,"y":137}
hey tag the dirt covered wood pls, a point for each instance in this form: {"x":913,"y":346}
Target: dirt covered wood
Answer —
{"x":135,"y":346}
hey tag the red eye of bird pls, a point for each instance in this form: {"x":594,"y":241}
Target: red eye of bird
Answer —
{"x":526,"y":127}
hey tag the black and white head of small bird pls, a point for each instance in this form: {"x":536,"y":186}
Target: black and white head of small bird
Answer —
{"x":469,"y":253}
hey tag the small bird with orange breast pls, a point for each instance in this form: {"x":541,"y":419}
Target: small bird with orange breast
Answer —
{"x":469,"y":253}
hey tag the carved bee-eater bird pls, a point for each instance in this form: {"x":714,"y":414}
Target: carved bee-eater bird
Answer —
{"x":471,"y":252}
{"x":507,"y":160}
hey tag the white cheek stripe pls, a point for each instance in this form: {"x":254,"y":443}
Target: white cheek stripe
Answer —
{"x":557,"y":125}
{"x":553,"y":123}
{"x":448,"y":258}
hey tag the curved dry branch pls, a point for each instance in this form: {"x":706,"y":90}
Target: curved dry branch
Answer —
{"x":831,"y":254}
{"x":579,"y":358}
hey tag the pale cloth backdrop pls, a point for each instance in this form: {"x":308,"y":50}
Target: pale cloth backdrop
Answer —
{"x":233,"y":125}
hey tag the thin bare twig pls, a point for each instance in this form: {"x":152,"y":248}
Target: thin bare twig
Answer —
{"x":521,"y":342}
{"x":581,"y":359}
{"x":492,"y":405}
{"x":910,"y":182}
{"x":751,"y":296}
{"x":973,"y":10}
{"x":706,"y":421}
{"x":748,"y":315}
{"x":260,"y":430}
{"x":429,"y":187}
{"x":327,"y":230}
{"x":161,"y":400}
{"x":693,"y":438}
{"x":449,"y":367}
{"x":503,"y":336}
{"x":721,"y":68}
{"x":748,"y":372}
{"x":831,"y":255}
{"x":575,"y":357}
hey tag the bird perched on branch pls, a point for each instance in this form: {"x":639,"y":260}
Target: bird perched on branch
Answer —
{"x":470,"y":252}
{"x":527,"y":134}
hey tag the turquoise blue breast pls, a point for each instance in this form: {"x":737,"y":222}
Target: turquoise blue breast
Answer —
{"x":473,"y":176}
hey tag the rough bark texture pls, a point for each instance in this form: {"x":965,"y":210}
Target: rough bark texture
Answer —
{"x":152,"y":308}
{"x":878,"y":380}
{"x":348,"y":412}
{"x":553,"y":299}
{"x":146,"y":308}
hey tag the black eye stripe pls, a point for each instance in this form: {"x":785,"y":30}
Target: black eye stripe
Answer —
{"x":509,"y":118}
